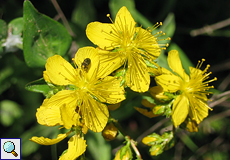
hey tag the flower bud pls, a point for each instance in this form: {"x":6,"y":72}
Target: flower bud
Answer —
{"x":110,"y":132}
{"x":147,"y":140}
{"x":156,"y":150}
{"x":124,"y":153}
{"x":190,"y":125}
{"x":158,"y":110}
{"x":152,"y":139}
{"x":124,"y":157}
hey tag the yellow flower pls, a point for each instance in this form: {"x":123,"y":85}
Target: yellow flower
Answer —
{"x":87,"y":86}
{"x":191,"y":89}
{"x":122,"y":43}
{"x":76,"y":145}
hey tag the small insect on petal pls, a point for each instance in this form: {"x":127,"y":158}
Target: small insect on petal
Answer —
{"x":86,"y":64}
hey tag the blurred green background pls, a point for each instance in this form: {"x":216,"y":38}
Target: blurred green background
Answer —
{"x":199,"y":29}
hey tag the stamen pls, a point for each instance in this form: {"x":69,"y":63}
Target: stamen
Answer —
{"x":155,"y":26}
{"x":108,"y":15}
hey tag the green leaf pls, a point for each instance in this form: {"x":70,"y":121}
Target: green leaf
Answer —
{"x":3,"y":33}
{"x":38,"y":86}
{"x":42,"y":37}
{"x":9,"y":112}
{"x":16,"y":25}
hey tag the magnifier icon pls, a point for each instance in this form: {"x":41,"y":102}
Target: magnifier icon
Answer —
{"x":9,"y":147}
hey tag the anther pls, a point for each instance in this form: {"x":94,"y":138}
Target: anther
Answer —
{"x":108,"y":15}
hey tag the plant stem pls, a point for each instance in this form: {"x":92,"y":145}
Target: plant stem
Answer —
{"x":127,"y":137}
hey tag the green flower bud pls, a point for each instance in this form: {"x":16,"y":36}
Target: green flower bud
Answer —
{"x":156,"y":150}
{"x":124,"y":153}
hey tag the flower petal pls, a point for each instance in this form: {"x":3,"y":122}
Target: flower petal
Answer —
{"x":49,"y":113}
{"x":157,"y":92}
{"x":137,"y":76}
{"x":146,"y":41}
{"x":108,"y":90}
{"x":46,"y":77}
{"x":60,"y":71}
{"x":196,"y":75}
{"x":94,"y":114}
{"x":47,"y":141}
{"x":48,"y":116}
{"x":147,"y":104}
{"x":175,"y":64}
{"x":69,"y":116}
{"x":146,"y":113}
{"x":180,"y":110}
{"x":109,"y":62}
{"x":198,"y":107}
{"x":124,"y":22}
{"x":103,"y":35}
{"x":113,"y":107}
{"x":170,"y":83}
{"x":92,"y":54}
{"x":76,"y":147}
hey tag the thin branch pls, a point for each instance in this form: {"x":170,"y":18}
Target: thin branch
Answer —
{"x":133,"y":144}
{"x":210,"y":28}
{"x":178,"y":150}
{"x":63,"y":18}
{"x":224,"y":84}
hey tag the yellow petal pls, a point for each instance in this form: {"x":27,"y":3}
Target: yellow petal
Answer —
{"x":109,"y":62}
{"x":60,"y":71}
{"x":147,"y":42}
{"x":157,"y":92}
{"x":108,"y":90}
{"x":196,"y":74}
{"x":46,"y":77}
{"x":165,"y":71}
{"x":49,"y":113}
{"x":124,"y":21}
{"x":103,"y":35}
{"x":155,"y":71}
{"x":169,"y":83}
{"x":76,"y":147}
{"x":198,"y":108}
{"x":94,"y":114}
{"x":92,"y":54}
{"x":146,"y":103}
{"x":180,"y":110}
{"x":137,"y":76}
{"x":147,"y":140}
{"x":69,"y":116}
{"x":145,"y":112}
{"x":175,"y":64}
{"x":48,"y":116}
{"x":113,"y":107}
{"x":47,"y":141}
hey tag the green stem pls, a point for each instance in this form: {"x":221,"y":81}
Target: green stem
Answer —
{"x":127,"y":138}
